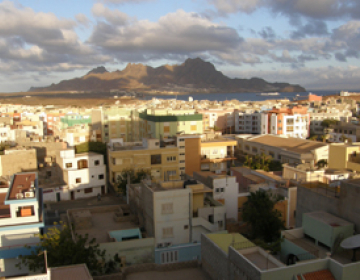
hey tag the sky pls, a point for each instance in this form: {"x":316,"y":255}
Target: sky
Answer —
{"x":314,"y":43}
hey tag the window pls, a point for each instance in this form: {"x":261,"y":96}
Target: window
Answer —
{"x":168,"y":232}
{"x":25,"y":211}
{"x":97,"y":162}
{"x":48,"y":173}
{"x":155,"y":159}
{"x":171,"y":158}
{"x":68,"y":165}
{"x":166,"y":129}
{"x":167,"y":208}
{"x":169,"y":257}
{"x":78,"y":180}
{"x":88,"y":190}
{"x":101,"y":176}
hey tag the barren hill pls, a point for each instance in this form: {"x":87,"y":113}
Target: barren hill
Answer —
{"x":192,"y":76}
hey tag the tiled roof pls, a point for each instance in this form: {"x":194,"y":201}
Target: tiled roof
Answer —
{"x":317,"y":275}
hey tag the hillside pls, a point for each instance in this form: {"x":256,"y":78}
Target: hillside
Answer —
{"x":192,"y":76}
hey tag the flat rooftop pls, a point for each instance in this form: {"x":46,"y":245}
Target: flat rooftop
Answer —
{"x":295,"y":145}
{"x":327,"y":218}
{"x":102,"y":222}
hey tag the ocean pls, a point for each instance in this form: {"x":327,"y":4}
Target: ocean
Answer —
{"x":245,"y":96}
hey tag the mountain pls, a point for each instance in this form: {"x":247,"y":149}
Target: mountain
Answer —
{"x":192,"y":76}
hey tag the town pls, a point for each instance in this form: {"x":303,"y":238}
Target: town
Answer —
{"x":200,"y":189}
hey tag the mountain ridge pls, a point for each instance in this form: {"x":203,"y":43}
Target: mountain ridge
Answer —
{"x":192,"y":76}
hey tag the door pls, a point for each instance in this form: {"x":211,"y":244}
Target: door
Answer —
{"x":102,"y":190}
{"x":72,"y":195}
{"x":58,"y":197}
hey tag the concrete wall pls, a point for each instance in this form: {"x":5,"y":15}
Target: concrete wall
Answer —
{"x":346,"y":206}
{"x":178,"y":220}
{"x":135,"y":251}
{"x":18,"y":161}
{"x":214,"y":260}
{"x":185,"y":252}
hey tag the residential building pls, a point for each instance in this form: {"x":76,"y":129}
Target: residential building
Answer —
{"x":162,"y":124}
{"x":344,"y":132}
{"x":344,"y":156}
{"x":285,"y":150}
{"x":291,"y":122}
{"x":276,"y":186}
{"x":21,"y":221}
{"x":317,"y":116}
{"x":83,"y":175}
{"x":217,"y":153}
{"x":161,"y":162}
{"x":249,"y":122}
{"x":118,"y":123}
{"x":225,"y":190}
{"x":231,"y":257}
{"x":176,"y":212}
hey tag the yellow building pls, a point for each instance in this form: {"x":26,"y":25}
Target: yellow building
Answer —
{"x":163,"y":163}
{"x":163,"y":124}
{"x":344,"y":156}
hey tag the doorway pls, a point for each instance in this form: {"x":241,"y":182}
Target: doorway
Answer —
{"x":102,"y":190}
{"x":72,"y":195}
{"x":58,"y":197}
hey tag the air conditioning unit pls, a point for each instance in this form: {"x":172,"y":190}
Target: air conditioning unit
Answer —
{"x":29,"y":194}
{"x":19,"y":196}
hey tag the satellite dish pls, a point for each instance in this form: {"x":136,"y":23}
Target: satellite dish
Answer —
{"x":352,"y":243}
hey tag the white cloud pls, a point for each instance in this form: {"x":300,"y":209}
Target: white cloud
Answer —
{"x":178,"y":33}
{"x":113,"y":16}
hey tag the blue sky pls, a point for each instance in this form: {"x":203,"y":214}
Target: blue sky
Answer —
{"x":312,"y":43}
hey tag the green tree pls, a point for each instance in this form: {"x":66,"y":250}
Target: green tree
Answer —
{"x":62,"y":250}
{"x":328,"y":122}
{"x":265,"y":222}
{"x":135,"y":178}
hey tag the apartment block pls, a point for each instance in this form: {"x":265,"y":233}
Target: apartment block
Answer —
{"x":176,"y":212}
{"x":224,"y":190}
{"x":217,"y":153}
{"x":317,"y":116}
{"x":82,"y":175}
{"x":291,"y":122}
{"x":21,"y":220}
{"x":249,"y":122}
{"x":162,"y":124}
{"x":285,"y":150}
{"x":344,"y":132}
{"x":118,"y":123}
{"x":162,"y":162}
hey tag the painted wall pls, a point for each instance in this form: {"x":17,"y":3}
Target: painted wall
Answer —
{"x":185,"y":252}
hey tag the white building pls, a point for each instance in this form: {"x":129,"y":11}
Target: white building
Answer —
{"x":21,"y":218}
{"x":84,"y":176}
{"x":176,"y":212}
{"x":225,"y":190}
{"x":248,"y":121}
